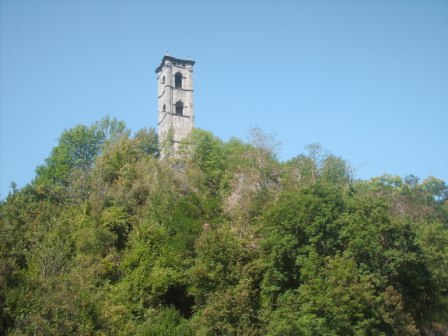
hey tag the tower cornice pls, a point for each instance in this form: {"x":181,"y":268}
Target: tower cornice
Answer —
{"x":175,"y":60}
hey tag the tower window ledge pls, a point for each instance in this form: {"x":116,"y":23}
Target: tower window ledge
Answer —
{"x":178,"y":115}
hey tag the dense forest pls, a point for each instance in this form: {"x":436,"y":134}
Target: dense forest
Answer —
{"x":220,"y":239}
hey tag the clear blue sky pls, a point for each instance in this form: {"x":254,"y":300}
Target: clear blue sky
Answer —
{"x":366,"y":79}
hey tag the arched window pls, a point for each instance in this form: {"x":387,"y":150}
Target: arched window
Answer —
{"x":178,"y":80}
{"x":163,"y":80}
{"x":179,"y":108}
{"x":164,"y":108}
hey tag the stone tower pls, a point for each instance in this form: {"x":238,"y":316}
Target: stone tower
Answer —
{"x":175,"y":100}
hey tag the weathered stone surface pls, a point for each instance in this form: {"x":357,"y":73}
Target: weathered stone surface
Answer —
{"x":175,"y":99}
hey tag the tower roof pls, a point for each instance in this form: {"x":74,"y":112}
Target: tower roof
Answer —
{"x":173,"y":59}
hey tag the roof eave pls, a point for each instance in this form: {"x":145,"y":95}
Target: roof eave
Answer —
{"x":173,"y":59}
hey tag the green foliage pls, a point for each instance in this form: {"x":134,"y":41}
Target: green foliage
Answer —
{"x":147,"y":142}
{"x":220,"y":239}
{"x":316,"y":165}
{"x":230,"y":311}
{"x":116,"y":221}
{"x":300,"y":222}
{"x":110,"y":130}
{"x":224,"y":284}
{"x":333,"y":300}
{"x":206,"y":152}
{"x":65,"y":174}
{"x":219,"y":257}
{"x":167,"y":322}
{"x":76,"y":150}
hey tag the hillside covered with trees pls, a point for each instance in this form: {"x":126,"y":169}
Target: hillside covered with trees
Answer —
{"x":222,"y":239}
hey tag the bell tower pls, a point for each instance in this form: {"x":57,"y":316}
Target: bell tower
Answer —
{"x":174,"y":100}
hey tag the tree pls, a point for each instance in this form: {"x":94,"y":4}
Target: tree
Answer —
{"x":76,"y":150}
{"x":206,"y":152}
{"x":147,"y":141}
{"x":221,"y":239}
{"x":333,"y":300}
{"x":224,"y":282}
{"x":68,"y":166}
{"x":300,"y":222}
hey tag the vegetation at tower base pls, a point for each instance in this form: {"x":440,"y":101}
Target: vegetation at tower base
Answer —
{"x":110,"y":240}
